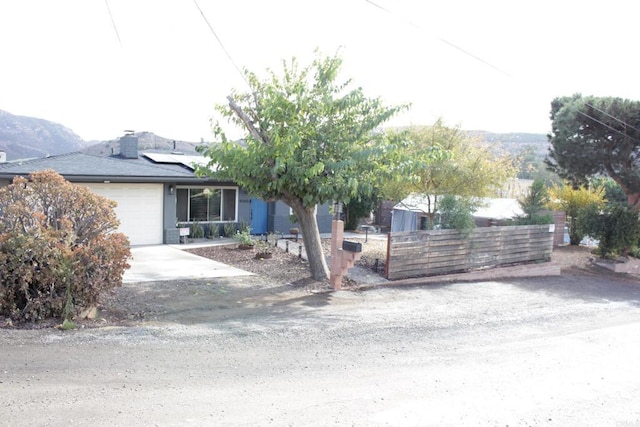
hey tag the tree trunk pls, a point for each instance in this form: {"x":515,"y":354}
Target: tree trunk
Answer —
{"x":431,"y":218}
{"x":574,"y":236}
{"x":633,"y":199}
{"x":312,"y":242}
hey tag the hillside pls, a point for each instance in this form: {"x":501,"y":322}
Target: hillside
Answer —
{"x":25,"y":137}
{"x":515,"y":143}
{"x":146,"y":141}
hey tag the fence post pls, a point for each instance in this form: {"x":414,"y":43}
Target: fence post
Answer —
{"x":386,"y":267}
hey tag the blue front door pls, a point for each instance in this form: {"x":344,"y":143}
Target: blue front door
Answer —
{"x":259,"y":216}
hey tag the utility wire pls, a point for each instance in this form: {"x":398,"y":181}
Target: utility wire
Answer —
{"x":443,"y":40}
{"x":611,"y":116}
{"x":477,"y":58}
{"x":115,"y":28}
{"x":221,"y":44}
{"x":606,"y":125}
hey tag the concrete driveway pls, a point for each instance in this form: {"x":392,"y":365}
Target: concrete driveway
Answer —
{"x":167,"y":262}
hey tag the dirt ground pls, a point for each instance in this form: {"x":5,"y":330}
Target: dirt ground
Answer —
{"x":277,"y":349}
{"x":289,"y":268}
{"x":274,"y":349}
{"x":278,"y":280}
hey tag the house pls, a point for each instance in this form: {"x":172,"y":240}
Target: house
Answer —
{"x":411,"y":213}
{"x":157,"y":190}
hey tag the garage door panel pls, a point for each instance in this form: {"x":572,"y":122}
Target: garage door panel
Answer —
{"x":139,"y":210}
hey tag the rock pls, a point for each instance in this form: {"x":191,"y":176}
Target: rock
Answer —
{"x":88,"y":313}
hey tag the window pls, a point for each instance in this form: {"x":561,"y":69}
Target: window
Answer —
{"x":207,"y":204}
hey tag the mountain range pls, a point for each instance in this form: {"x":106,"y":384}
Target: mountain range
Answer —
{"x":28,"y":137}
{"x":23,"y":137}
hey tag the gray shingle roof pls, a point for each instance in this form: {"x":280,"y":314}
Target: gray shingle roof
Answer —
{"x":79,"y":166}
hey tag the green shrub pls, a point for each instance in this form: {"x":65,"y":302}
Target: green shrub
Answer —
{"x":635,"y":252}
{"x":263,"y":248}
{"x":245,"y":226}
{"x":616,"y":227}
{"x":196,"y":231}
{"x":229,"y":229}
{"x":571,"y":199}
{"x":539,"y":218}
{"x":58,"y":248}
{"x":213,"y":231}
{"x":457,"y":213}
{"x":533,"y":205}
{"x":243,"y":237}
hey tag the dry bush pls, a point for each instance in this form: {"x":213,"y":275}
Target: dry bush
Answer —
{"x":58,"y":248}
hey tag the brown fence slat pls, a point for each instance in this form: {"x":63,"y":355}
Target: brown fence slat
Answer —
{"x":422,"y":253}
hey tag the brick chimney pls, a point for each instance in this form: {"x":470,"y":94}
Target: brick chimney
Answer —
{"x":129,"y":147}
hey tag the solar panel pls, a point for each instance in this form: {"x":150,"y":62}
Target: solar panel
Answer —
{"x":161,"y":157}
{"x":197,"y":160}
{"x":177,"y":159}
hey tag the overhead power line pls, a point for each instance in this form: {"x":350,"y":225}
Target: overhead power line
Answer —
{"x":220,"y":43}
{"x":391,"y":13}
{"x":477,"y":58}
{"x":622,"y":122}
{"x":605,"y":124}
{"x":443,"y":40}
{"x":113,"y":22}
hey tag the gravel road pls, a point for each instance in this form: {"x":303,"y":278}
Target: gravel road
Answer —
{"x":561,"y":351}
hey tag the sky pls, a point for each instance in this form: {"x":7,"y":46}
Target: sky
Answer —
{"x":100,"y":67}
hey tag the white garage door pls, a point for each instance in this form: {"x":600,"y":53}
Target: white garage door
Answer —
{"x":139,"y":210}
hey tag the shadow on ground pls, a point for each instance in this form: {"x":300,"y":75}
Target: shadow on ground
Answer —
{"x":211,"y":300}
{"x":591,"y":284}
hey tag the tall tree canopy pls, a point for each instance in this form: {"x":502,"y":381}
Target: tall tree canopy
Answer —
{"x":597,"y":136}
{"x":466,"y":167}
{"x":309,"y":139}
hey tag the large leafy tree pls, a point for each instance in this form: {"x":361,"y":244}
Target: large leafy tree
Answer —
{"x":597,"y":136}
{"x":359,"y":207}
{"x":532,"y":166}
{"x":308,"y":139}
{"x":612,"y":192}
{"x":466,"y":167}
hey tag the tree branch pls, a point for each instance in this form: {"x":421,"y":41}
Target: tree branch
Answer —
{"x":247,"y":121}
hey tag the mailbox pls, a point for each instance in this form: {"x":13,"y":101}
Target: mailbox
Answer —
{"x":351,"y":246}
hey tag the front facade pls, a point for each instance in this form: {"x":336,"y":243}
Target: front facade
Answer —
{"x":157,"y":192}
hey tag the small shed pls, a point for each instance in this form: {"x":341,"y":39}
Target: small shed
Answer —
{"x":410,"y":214}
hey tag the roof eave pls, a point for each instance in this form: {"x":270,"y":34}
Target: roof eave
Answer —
{"x":126,"y":179}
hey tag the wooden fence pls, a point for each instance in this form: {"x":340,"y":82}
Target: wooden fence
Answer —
{"x":428,"y":253}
